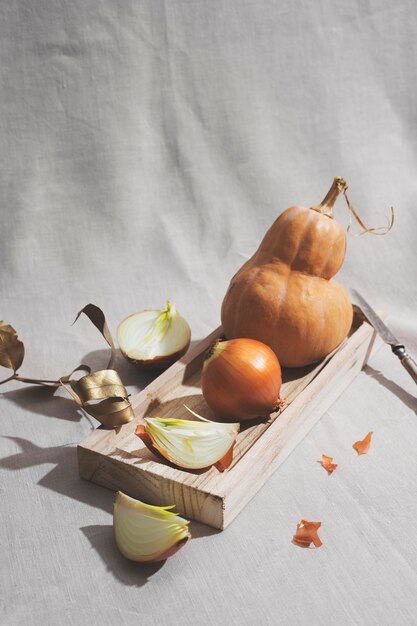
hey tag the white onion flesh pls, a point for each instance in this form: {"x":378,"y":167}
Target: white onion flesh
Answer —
{"x":144,"y":532}
{"x":191,"y":444}
{"x":148,"y":335}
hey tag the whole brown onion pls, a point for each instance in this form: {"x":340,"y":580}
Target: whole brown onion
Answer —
{"x":241,"y":379}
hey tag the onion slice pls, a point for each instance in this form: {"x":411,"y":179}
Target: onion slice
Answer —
{"x":154,"y":339}
{"x":190,"y":444}
{"x":147,"y":533}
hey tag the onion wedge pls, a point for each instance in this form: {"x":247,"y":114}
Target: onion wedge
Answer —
{"x":147,"y":533}
{"x":190,"y":444}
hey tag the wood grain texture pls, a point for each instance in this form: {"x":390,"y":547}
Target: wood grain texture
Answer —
{"x":119,"y":459}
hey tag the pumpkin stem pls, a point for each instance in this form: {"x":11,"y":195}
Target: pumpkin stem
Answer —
{"x":325,"y":207}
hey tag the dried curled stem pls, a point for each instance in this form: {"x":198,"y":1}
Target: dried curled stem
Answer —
{"x":325,"y":207}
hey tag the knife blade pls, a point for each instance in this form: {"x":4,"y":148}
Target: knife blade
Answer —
{"x":382,"y":329}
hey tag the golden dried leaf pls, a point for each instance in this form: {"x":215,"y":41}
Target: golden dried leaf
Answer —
{"x":103,"y":396}
{"x":12,"y":350}
{"x":96,"y":316}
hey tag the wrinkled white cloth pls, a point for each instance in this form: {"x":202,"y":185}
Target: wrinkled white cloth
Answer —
{"x":146,"y":146}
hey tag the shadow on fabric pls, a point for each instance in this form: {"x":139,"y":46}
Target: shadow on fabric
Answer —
{"x":128,"y":572}
{"x":131,"y":375}
{"x":63,"y":478}
{"x":403,"y":395}
{"x":41,"y":400}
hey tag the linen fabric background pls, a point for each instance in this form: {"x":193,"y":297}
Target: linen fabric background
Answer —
{"x":146,"y":146}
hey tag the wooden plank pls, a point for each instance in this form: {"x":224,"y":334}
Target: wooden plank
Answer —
{"x":119,"y":460}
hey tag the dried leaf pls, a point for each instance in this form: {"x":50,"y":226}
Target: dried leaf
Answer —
{"x":327,"y":463}
{"x":103,"y":396}
{"x":96,"y":316}
{"x":362,"y":446}
{"x":306,"y":534}
{"x":12,"y":350}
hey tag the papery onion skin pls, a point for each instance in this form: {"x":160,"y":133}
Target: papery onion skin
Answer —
{"x":241,"y":379}
{"x":136,"y":509}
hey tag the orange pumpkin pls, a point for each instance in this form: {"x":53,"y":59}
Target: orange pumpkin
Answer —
{"x":284,"y":295}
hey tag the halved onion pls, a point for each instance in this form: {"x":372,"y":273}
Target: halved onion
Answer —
{"x":190,"y":444}
{"x":154,"y":339}
{"x":147,"y":533}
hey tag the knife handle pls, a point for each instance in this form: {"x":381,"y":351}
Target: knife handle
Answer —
{"x":407,"y":361}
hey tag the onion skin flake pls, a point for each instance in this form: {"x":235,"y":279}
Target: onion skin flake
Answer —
{"x":327,"y":463}
{"x":362,"y":447}
{"x":306,"y":534}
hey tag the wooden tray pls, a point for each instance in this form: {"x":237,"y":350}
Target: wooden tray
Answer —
{"x":119,"y":459}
